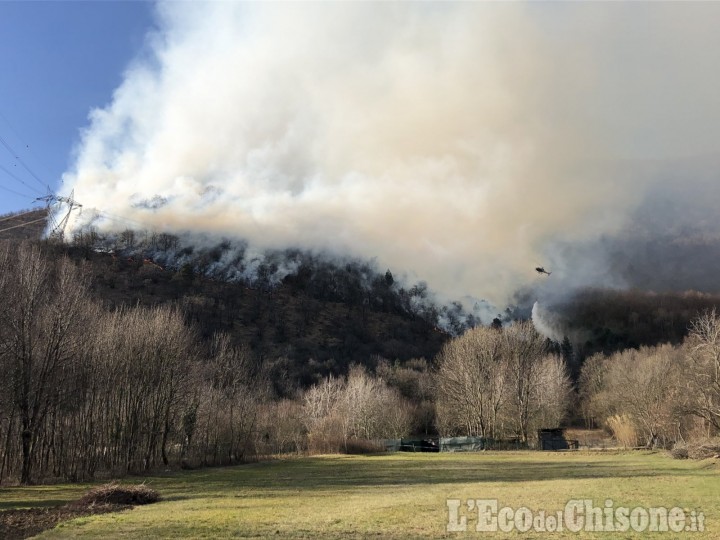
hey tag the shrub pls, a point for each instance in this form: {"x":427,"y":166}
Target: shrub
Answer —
{"x":363,"y":446}
{"x":679,"y":452}
{"x":623,"y":429}
{"x":324,"y":442}
{"x":704,"y":448}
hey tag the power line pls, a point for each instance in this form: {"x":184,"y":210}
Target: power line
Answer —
{"x":59,"y":228}
{"x":23,"y":141}
{"x":50,"y":197}
{"x":70,"y":201}
{"x":21,"y":162}
{"x":11,"y":175}
{"x":115,"y":217}
{"x":22,"y":225}
{"x":14,"y":216}
{"x":18,"y":193}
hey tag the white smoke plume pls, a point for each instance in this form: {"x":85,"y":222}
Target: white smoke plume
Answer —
{"x":462,"y":144}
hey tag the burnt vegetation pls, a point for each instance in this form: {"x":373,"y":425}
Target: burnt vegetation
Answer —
{"x":312,"y":323}
{"x":607,"y":321}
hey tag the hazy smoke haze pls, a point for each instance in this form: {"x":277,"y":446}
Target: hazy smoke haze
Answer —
{"x":464,"y":144}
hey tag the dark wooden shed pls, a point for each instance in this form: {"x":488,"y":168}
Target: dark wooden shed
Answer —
{"x":554,"y":439}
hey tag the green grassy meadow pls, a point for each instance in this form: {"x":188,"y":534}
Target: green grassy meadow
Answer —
{"x":390,"y":496}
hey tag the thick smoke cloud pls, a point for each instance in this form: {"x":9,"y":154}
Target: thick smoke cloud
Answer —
{"x":464,"y":144}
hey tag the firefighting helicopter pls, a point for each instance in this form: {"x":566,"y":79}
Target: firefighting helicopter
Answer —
{"x":541,"y":270}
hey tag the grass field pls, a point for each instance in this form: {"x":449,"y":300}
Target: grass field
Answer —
{"x":391,"y":496}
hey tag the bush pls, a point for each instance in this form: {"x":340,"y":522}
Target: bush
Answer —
{"x":114,"y":493}
{"x":324,"y":443}
{"x":679,"y":452}
{"x":704,"y":448}
{"x":363,"y":446}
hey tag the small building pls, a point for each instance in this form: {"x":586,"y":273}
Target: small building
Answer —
{"x":429,"y":444}
{"x":554,"y":439}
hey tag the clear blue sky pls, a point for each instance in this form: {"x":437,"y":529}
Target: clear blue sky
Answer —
{"x":59,"y":59}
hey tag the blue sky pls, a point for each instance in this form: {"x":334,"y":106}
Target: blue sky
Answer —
{"x":59,"y":59}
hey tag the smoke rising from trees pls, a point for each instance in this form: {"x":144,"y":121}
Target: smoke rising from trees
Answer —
{"x":462,"y":144}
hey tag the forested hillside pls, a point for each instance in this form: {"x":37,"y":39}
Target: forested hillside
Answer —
{"x":607,"y":321}
{"x":299,"y":326}
{"x":121,"y":362}
{"x":314,"y":322}
{"x":311,"y":316}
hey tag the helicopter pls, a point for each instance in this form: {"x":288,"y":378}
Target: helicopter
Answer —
{"x":541,"y":270}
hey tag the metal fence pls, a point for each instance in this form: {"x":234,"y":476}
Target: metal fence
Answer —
{"x":451,"y":444}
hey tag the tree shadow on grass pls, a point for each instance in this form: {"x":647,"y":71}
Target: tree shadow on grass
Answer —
{"x":31,"y":503}
{"x":333,"y":474}
{"x":337,"y":473}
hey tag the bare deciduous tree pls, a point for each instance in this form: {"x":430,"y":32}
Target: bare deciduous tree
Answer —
{"x":704,"y":367}
{"x":40,"y":338}
{"x":359,"y":407}
{"x":524,"y":348}
{"x":472,"y":383}
{"x":552,"y":394}
{"x":591,"y":388}
{"x":644,"y":387}
{"x":496,"y":382}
